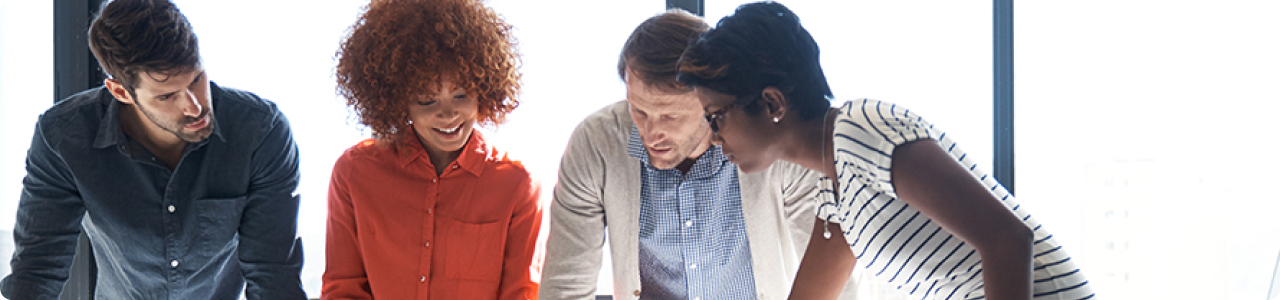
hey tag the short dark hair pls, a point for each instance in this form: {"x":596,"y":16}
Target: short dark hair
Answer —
{"x":130,"y":37}
{"x":654,"y":48}
{"x":761,"y":44}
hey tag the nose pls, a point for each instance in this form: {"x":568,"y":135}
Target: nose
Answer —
{"x":651,"y":132}
{"x":191,"y":105}
{"x":448,"y":110}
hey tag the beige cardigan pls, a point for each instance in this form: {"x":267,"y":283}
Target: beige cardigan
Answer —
{"x":599,"y":190}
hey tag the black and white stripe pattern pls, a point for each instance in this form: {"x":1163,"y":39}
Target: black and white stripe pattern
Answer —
{"x":899,"y":244}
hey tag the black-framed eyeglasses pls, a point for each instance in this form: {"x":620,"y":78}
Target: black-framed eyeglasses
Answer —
{"x":715,"y":118}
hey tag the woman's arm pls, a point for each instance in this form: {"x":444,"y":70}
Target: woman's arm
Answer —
{"x":519,"y":259}
{"x":826,"y":265}
{"x":344,"y":273}
{"x":930,"y":180}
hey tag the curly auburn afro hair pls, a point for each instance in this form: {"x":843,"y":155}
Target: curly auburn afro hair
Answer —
{"x":403,"y":49}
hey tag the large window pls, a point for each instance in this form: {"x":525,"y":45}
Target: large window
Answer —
{"x":1142,"y":126}
{"x":1143,"y":141}
{"x":26,"y":90}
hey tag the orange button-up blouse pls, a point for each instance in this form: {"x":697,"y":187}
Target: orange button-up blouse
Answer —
{"x":398,"y":231}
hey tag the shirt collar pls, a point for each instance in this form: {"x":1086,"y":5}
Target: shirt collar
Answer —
{"x":110,"y":133}
{"x":710,"y":163}
{"x":472,"y":159}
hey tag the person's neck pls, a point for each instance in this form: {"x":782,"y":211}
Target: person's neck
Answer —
{"x":163,"y":144}
{"x":813,"y":140}
{"x":688,"y":162}
{"x":441,"y":159}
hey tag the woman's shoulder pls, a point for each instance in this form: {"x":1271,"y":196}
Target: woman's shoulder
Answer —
{"x":503,"y":163}
{"x":502,"y":171}
{"x":867,"y":108}
{"x":877,"y":121}
{"x":368,"y":148}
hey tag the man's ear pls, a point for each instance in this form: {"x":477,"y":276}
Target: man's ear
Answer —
{"x":118,"y":90}
{"x":775,"y":103}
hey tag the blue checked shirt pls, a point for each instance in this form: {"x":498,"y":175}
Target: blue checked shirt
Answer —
{"x":224,"y":221}
{"x":693,"y":242}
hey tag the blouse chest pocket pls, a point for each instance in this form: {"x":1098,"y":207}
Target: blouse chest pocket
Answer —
{"x":472,"y":251}
{"x":218,"y":220}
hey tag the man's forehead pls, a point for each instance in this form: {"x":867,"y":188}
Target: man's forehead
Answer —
{"x":163,"y":79}
{"x":663,"y":101}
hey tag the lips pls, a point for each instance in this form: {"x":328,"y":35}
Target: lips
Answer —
{"x":449,"y":133}
{"x":198,"y":124}
{"x":659,"y":151}
{"x":449,"y":130}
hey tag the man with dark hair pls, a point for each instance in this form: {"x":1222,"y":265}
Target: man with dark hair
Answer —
{"x":683,"y":222}
{"x":185,"y":188}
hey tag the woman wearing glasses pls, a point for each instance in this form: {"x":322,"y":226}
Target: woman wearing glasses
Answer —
{"x":899,"y":197}
{"x":427,"y":209}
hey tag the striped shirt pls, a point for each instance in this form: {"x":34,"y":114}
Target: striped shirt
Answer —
{"x":693,"y":242}
{"x":895,"y":241}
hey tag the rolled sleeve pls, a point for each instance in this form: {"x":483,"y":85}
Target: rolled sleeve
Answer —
{"x":519,"y":261}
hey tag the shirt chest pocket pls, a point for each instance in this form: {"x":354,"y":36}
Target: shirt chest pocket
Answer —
{"x":472,"y":251}
{"x":218,"y":221}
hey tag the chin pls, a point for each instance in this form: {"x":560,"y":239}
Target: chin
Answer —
{"x":663,"y":165}
{"x":194,"y":137}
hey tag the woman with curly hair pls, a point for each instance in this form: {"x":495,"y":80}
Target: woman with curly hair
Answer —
{"x":426,"y":209}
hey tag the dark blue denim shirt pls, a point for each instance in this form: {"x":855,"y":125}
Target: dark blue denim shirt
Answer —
{"x":223,"y":221}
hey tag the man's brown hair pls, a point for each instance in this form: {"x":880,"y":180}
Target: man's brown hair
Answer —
{"x":654,"y":48}
{"x":131,"y":37}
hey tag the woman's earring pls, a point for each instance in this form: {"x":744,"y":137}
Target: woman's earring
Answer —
{"x":775,"y":120}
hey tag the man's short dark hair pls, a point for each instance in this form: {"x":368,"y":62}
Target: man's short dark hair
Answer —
{"x":131,"y":37}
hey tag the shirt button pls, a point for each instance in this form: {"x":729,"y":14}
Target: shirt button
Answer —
{"x":688,"y":223}
{"x":423,"y":279}
{"x":174,"y":263}
{"x":637,"y":293}
{"x":455,"y":166}
{"x":693,"y":266}
{"x":429,"y":211}
{"x":428,"y":244}
{"x":697,"y":298}
{"x":171,"y":208}
{"x":433,"y":180}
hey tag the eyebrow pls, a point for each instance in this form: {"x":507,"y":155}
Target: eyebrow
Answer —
{"x":197,"y":79}
{"x":193,"y":81}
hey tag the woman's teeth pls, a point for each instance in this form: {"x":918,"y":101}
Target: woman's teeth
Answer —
{"x":450,"y":130}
